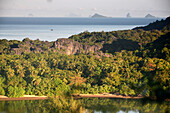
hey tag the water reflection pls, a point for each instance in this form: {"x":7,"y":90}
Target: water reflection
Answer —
{"x":125,"y":105}
{"x":86,"y":105}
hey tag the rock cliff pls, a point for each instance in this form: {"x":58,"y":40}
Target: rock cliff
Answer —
{"x":62,"y":45}
{"x":74,"y":47}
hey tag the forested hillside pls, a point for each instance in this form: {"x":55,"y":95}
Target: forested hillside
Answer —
{"x":129,"y":62}
{"x":159,"y":25}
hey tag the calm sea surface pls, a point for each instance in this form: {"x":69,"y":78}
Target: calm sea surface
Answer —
{"x":52,"y":32}
{"x":51,"y":29}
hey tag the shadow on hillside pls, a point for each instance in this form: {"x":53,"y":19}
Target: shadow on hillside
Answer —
{"x":160,"y":42}
{"x":14,"y":46}
{"x":120,"y":44}
{"x":159,"y":25}
{"x":161,"y":45}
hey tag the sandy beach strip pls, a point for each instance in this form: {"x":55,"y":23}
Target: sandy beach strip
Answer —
{"x":104,"y":96}
{"x":34,"y":97}
{"x":25,"y":97}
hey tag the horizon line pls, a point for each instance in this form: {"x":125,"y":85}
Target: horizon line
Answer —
{"x":69,"y":17}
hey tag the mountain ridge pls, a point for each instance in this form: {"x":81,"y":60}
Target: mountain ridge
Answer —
{"x":156,"y":25}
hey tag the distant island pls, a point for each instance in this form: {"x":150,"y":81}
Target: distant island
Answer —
{"x":128,"y":15}
{"x":98,"y":16}
{"x":149,"y":16}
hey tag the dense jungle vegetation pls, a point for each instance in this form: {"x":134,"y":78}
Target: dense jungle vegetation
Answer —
{"x":139,"y":66}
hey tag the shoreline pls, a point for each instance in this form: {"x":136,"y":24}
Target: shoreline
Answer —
{"x":33,"y":97}
{"x":107,"y":95}
{"x":104,"y":96}
{"x":76,"y":96}
{"x":25,"y":97}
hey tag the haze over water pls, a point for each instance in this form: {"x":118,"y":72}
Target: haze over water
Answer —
{"x":51,"y":29}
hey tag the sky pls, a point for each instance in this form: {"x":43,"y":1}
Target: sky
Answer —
{"x":83,"y":8}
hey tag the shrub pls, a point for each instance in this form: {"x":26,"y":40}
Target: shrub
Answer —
{"x":15,"y":91}
{"x":2,"y":92}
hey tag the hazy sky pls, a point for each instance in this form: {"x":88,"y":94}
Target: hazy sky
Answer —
{"x":83,"y":8}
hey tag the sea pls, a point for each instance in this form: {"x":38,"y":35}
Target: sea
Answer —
{"x":50,"y":29}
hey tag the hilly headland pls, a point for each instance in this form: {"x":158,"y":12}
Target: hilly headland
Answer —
{"x":133,"y":63}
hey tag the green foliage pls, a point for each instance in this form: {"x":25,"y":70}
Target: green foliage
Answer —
{"x":140,"y":36}
{"x":60,"y":87}
{"x":15,"y":91}
{"x":139,"y":65}
{"x":2,"y":91}
{"x":125,"y":73}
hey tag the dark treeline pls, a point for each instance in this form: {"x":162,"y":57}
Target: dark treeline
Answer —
{"x":139,"y":65}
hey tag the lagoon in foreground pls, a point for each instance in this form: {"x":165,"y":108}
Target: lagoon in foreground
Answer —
{"x":86,"y":105}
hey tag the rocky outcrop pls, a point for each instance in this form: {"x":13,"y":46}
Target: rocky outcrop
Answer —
{"x":70,"y":47}
{"x":28,"y":45}
{"x":74,"y":47}
{"x":66,"y":46}
{"x":149,"y":16}
{"x":98,"y":16}
{"x":128,"y":15}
